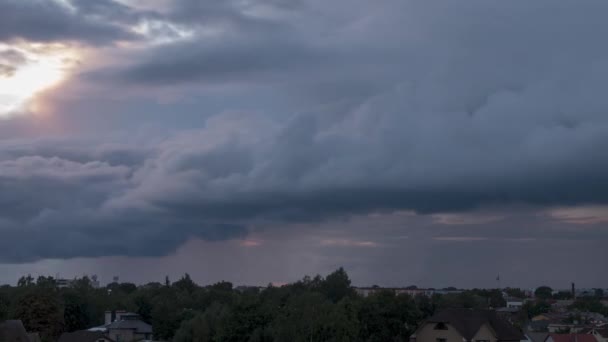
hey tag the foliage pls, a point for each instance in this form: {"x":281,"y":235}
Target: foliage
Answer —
{"x":589,"y":304}
{"x":313,"y":308}
{"x":563,"y":295}
{"x":536,"y":308}
{"x":515,"y":292}
{"x":543,"y":292}
{"x":41,"y":311}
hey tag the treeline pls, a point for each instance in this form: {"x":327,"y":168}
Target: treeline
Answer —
{"x":317,"y":309}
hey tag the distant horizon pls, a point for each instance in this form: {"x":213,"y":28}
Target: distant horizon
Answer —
{"x":278,"y":284}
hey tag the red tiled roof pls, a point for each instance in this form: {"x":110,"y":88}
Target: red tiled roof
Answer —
{"x":573,"y":338}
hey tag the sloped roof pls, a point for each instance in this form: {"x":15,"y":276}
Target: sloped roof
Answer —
{"x":83,"y":336}
{"x":537,"y":336}
{"x":603,"y":332}
{"x":34,"y":337}
{"x":139,"y":326}
{"x":469,"y":321}
{"x":573,"y":338}
{"x":13,"y":331}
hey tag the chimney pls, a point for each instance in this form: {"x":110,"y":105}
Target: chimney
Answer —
{"x":573,"y":292}
{"x":113,"y":315}
{"x":108,"y":317}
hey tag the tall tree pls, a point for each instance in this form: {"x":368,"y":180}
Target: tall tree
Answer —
{"x":337,"y":286}
{"x":543,"y":292}
{"x":41,"y":311}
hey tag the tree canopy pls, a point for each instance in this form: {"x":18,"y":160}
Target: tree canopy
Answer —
{"x":314,"y":308}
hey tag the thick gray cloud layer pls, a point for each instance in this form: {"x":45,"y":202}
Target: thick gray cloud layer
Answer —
{"x":44,"y":21}
{"x":401,"y":105}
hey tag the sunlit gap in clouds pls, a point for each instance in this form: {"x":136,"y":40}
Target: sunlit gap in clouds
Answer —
{"x":39,"y":68}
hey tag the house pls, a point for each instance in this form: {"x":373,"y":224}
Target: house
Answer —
{"x":466,"y":325}
{"x":84,"y":336}
{"x":601,"y":335}
{"x":565,"y":327}
{"x":561,"y":305}
{"x":129,"y":328}
{"x":536,"y":336}
{"x":13,"y":331}
{"x":515,"y":303}
{"x":570,"y":338}
{"x":34,"y":337}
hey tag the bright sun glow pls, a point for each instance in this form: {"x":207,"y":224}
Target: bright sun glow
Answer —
{"x":43,"y":67}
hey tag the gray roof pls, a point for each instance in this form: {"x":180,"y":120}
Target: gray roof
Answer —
{"x":34,"y":337}
{"x":13,"y":331}
{"x":139,"y":326}
{"x":469,"y":321}
{"x":83,"y":336}
{"x":537,"y":336}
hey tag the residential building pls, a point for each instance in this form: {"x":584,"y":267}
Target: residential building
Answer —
{"x":84,"y":336}
{"x":13,"y":331}
{"x":466,"y":325}
{"x":129,"y":328}
{"x":601,"y":335}
{"x":34,"y":337}
{"x":570,"y":338}
{"x":62,"y":283}
{"x":565,"y":327}
{"x":536,"y":336}
{"x":513,"y":302}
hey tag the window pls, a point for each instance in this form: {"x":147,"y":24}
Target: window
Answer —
{"x":441,"y":326}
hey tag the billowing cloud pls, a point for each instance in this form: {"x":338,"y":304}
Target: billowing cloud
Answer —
{"x":44,"y":21}
{"x":308,"y":112}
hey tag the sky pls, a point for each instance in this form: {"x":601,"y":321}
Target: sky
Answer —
{"x":437,"y":143}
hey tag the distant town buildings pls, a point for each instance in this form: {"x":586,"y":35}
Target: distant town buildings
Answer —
{"x":366,"y":291}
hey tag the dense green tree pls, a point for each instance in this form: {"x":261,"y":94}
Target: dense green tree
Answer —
{"x":589,"y":304}
{"x":41,"y":311}
{"x":26,"y":281}
{"x":425,"y":304}
{"x":186,"y":284}
{"x":543,"y":292}
{"x":515,"y":292}
{"x":4,"y":307}
{"x":165,"y":319}
{"x":127,"y":288}
{"x":561,"y":295}
{"x":466,"y":299}
{"x":75,"y":313}
{"x":536,"y":308}
{"x":314,"y":308}
{"x":144,"y":307}
{"x":387,"y":317}
{"x":337,"y":286}
{"x":203,"y":327}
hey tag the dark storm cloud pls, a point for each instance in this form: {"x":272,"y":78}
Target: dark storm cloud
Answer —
{"x":54,"y":207}
{"x":220,"y":60}
{"x":426,"y":106}
{"x":44,"y":21}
